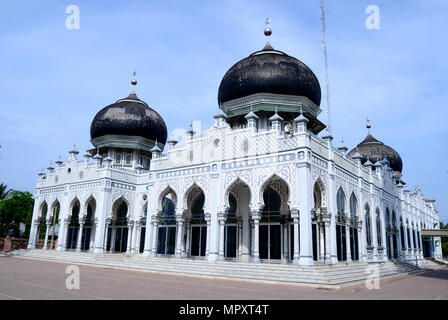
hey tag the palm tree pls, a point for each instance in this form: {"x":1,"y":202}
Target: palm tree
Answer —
{"x":3,"y":192}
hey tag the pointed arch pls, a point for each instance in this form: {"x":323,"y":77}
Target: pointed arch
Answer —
{"x":353,"y":205}
{"x":235,"y":189}
{"x":43,"y":209}
{"x":319,"y":189}
{"x":91,"y":200}
{"x":192,"y":193}
{"x":341,"y":202}
{"x":168,"y":191}
{"x":116,"y":205}
{"x":280,"y":186}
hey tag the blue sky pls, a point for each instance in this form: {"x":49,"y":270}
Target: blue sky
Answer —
{"x":54,"y":80}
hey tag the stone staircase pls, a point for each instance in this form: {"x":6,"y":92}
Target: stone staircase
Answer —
{"x":432,"y":264}
{"x":324,"y":276}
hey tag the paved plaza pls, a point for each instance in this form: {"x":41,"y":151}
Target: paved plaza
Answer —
{"x":22,"y":278}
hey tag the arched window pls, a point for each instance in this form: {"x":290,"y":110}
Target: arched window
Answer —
{"x":341,"y":203}
{"x":368,"y":226}
{"x":118,"y":159}
{"x":378,"y":228}
{"x":353,"y":208}
{"x":128,"y":159}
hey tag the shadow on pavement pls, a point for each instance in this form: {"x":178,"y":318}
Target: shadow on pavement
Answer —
{"x":436,"y":274}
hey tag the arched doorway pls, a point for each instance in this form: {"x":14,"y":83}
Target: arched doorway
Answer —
{"x":73,"y":227}
{"x":368,"y":232}
{"x":231,"y":229}
{"x":166,"y":236}
{"x":379,"y":236}
{"x":41,"y":226}
{"x":195,"y":219}
{"x":353,"y":225}
{"x":88,"y":230}
{"x":394,"y":235}
{"x":341,"y":232}
{"x":54,"y":222}
{"x":117,"y":236}
{"x":388,"y":234}
{"x":270,"y":237}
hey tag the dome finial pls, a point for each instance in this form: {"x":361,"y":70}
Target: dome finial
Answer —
{"x":368,"y":125}
{"x":268,"y":33}
{"x":134,"y":81}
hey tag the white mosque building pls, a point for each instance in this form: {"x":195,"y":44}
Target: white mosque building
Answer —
{"x":259,"y":185}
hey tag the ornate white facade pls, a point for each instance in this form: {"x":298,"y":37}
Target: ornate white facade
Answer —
{"x":267,"y":190}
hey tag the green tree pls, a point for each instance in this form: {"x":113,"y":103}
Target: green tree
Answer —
{"x":3,"y":191}
{"x":17,"y":207}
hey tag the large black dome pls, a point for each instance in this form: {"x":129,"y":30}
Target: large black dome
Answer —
{"x":131,"y":117}
{"x":269,"y":71}
{"x":375,"y":150}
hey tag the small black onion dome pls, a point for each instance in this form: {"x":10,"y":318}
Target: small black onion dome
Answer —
{"x":269,"y":71}
{"x":375,"y":151}
{"x":129,"y":116}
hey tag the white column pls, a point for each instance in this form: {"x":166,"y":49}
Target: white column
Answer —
{"x":46,"y":237}
{"x":321,"y":241}
{"x":101,"y":214}
{"x":362,"y":244}
{"x":78,"y":241}
{"x":188,"y":233}
{"x":222,"y":221}
{"x":135,"y":228}
{"x":34,"y":223}
{"x":106,"y":234}
{"x":331,"y":235}
{"x":256,"y":218}
{"x":154,"y":227}
{"x":208,"y":219}
{"x":347,"y":238}
{"x":295,"y":217}
{"x":151,"y":211}
{"x":138,"y":237}
{"x":252,"y":238}
{"x":240,"y":238}
{"x":327,"y":224}
{"x":65,"y":227}
{"x":306,"y":243}
{"x":112,"y":238}
{"x":213,"y":225}
{"x":180,"y":233}
{"x":128,"y":243}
